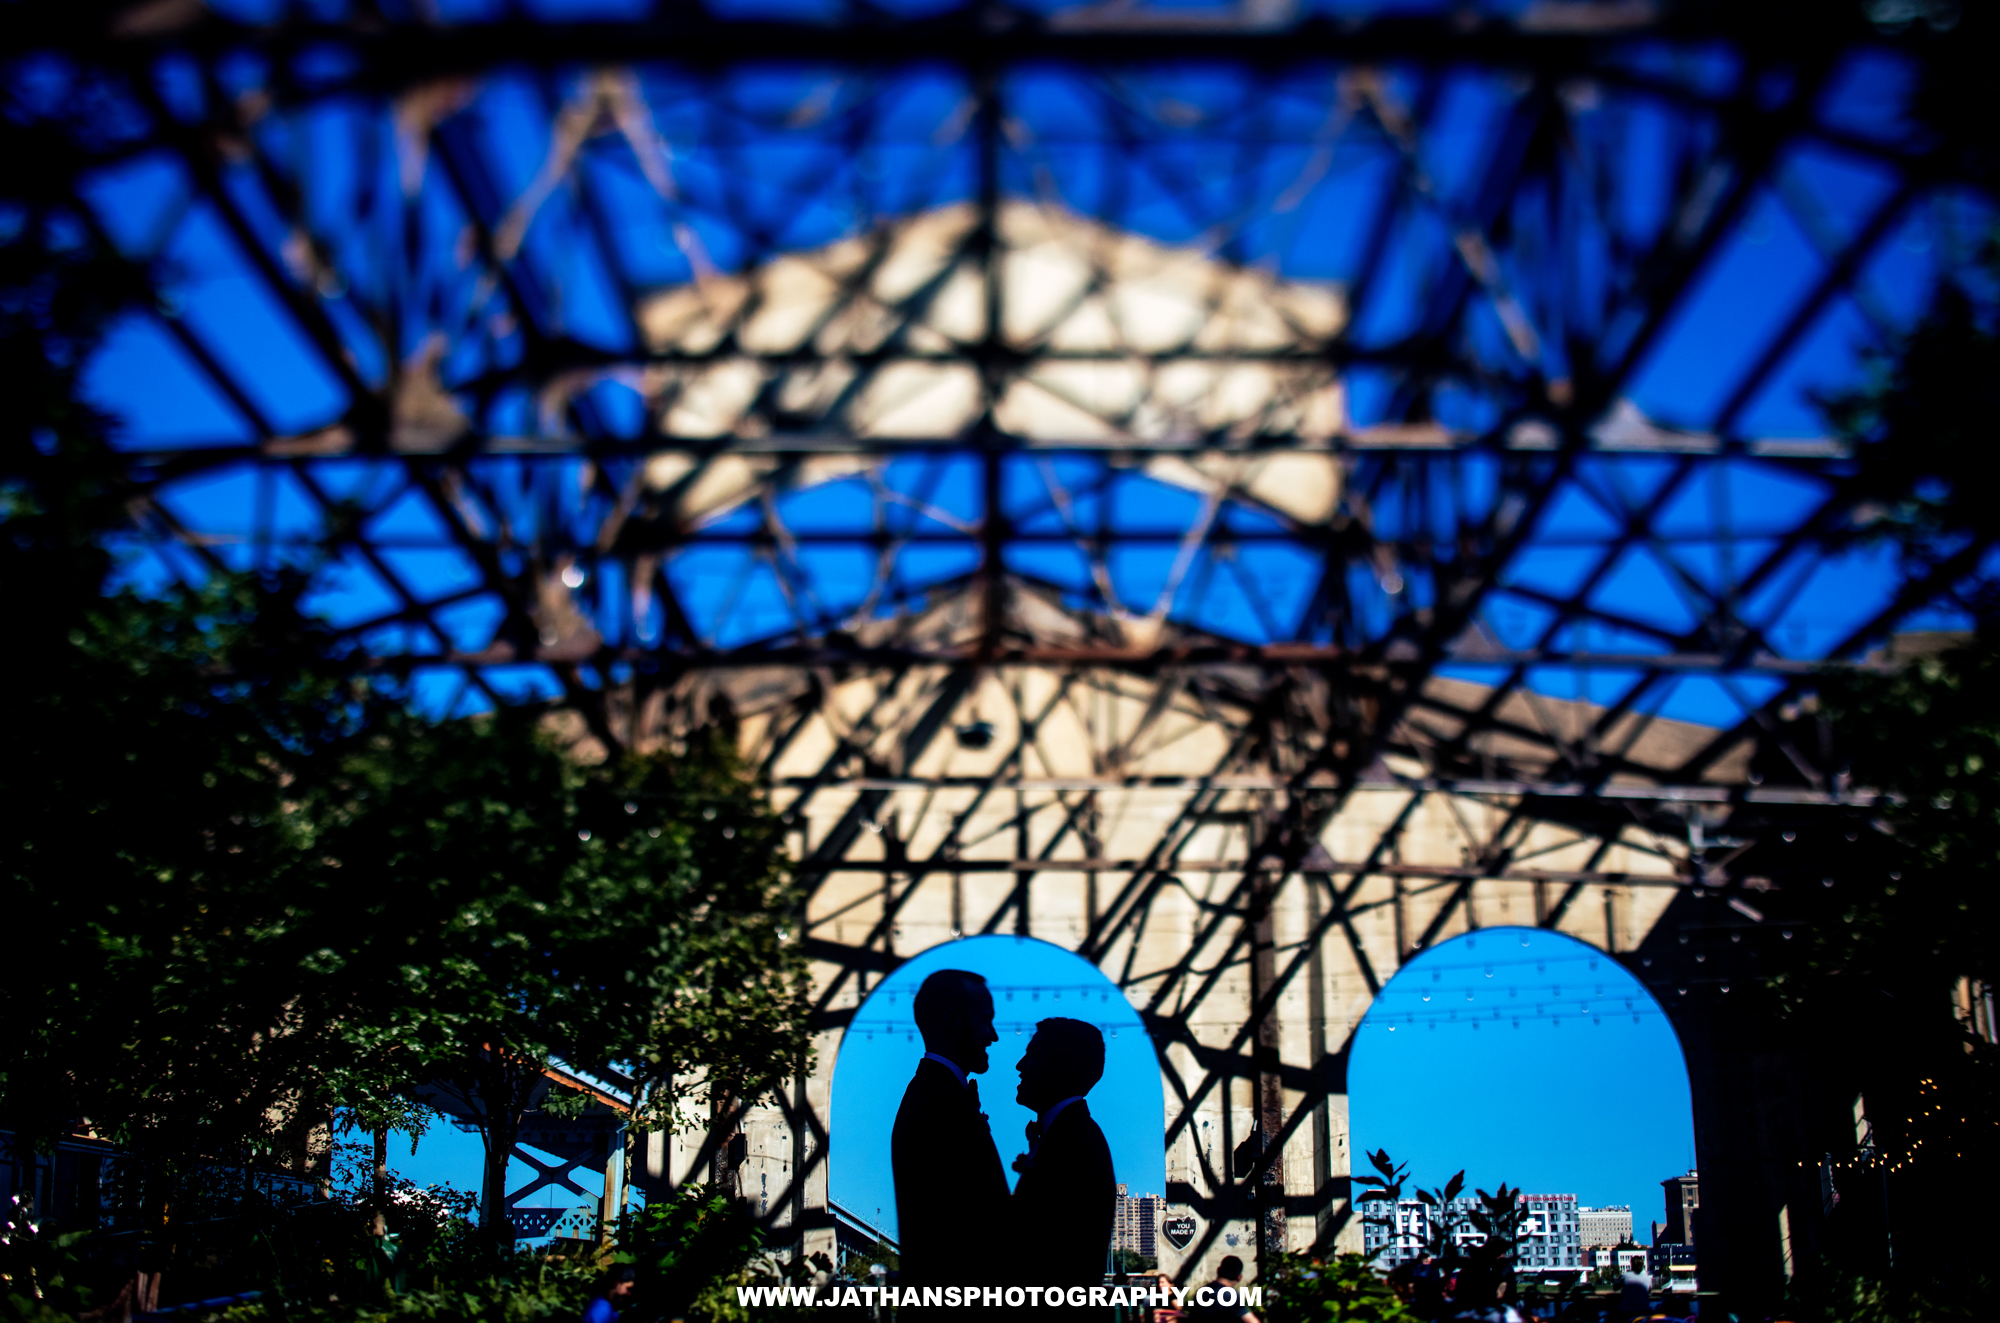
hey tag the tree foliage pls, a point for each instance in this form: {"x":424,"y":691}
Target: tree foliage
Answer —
{"x":1921,"y":434}
{"x":490,"y":904}
{"x":1342,"y":1288}
{"x":1307,"y":1287}
{"x":148,"y":742}
{"x":1845,"y":1296}
{"x":247,"y":882}
{"x":1928,"y":735}
{"x":1896,"y":926}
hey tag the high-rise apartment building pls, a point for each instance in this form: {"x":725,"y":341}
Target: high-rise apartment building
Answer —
{"x":1683,"y":1199}
{"x":1603,"y":1227}
{"x":1136,"y":1225}
{"x":1551,"y":1235}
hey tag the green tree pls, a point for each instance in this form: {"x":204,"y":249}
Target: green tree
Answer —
{"x":1132,"y":1261}
{"x":1446,"y":1217}
{"x":1307,"y":1288}
{"x":695,"y":1247}
{"x":246,"y":884}
{"x":1895,"y":925}
{"x":1384,"y":1189}
{"x":1499,"y":1218}
{"x":149,"y":741}
{"x":487,"y":903}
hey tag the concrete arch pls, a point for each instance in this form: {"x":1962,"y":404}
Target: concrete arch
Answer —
{"x":1031,"y":980}
{"x":1485,"y":1054}
{"x":1180,"y":833}
{"x":1248,"y":913}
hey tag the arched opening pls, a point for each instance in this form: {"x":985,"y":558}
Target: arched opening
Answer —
{"x":1523,"y":1056}
{"x":1031,"y":980}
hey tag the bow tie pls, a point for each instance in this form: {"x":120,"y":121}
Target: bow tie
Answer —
{"x":972,"y":1092}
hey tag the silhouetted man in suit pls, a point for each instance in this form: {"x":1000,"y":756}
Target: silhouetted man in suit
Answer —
{"x":1067,"y":1195}
{"x":951,"y":1191}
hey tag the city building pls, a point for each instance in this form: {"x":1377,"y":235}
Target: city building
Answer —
{"x":1672,"y":1266}
{"x":1394,"y":1234}
{"x":1671,"y":1259}
{"x":1136,"y":1225}
{"x":1551,"y":1239}
{"x":1683,"y":1199}
{"x":1618,"y":1258}
{"x":1605,"y":1227}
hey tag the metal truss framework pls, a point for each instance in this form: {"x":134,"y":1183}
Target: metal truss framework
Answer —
{"x":1169,"y":487}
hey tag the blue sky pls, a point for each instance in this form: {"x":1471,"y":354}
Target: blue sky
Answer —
{"x":1577,"y":1087}
{"x":1031,"y":981}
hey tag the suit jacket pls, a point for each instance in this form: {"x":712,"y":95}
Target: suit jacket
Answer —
{"x":950,"y":1188}
{"x":1065,"y":1203}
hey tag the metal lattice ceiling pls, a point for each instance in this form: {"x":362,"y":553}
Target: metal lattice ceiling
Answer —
{"x":1485,"y":346}
{"x":1278,"y":411}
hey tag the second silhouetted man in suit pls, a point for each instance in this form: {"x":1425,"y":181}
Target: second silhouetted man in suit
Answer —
{"x":1067,"y":1196}
{"x":951,"y":1192}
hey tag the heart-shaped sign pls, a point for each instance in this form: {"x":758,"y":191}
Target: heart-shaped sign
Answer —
{"x":1179,"y":1231}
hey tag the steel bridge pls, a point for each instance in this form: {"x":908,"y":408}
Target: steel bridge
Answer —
{"x":1243,"y":492}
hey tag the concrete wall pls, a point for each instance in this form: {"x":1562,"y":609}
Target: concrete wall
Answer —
{"x":902,"y":829}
